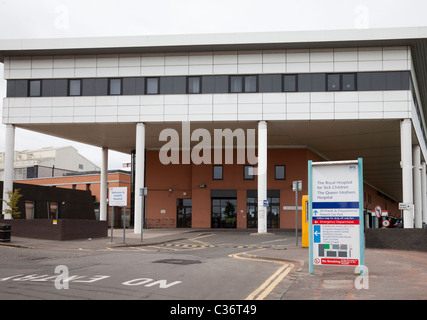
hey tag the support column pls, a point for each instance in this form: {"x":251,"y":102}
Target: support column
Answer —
{"x":417,"y":186}
{"x":103,"y":206}
{"x":424,"y":191}
{"x":8,"y":165}
{"x":139,"y":176}
{"x":262,"y":176}
{"x":406,"y":164}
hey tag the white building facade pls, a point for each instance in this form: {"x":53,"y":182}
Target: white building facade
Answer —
{"x":342,"y":94}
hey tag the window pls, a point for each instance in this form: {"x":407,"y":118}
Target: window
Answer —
{"x":115,"y":86}
{"x":280,"y":172}
{"x":270,"y":83}
{"x":334,"y":82}
{"x":290,"y":83}
{"x":243,"y":84}
{"x":95,"y":87}
{"x":348,"y":82}
{"x":250,"y":83}
{"x":35,"y":88}
{"x":236,"y":83}
{"x":248,"y":172}
{"x":194,"y":85}
{"x":29,"y":210}
{"x":215,"y":84}
{"x":173,"y":85}
{"x":152,"y":85}
{"x":217,"y":173}
{"x":75,"y":87}
{"x":311,"y":82}
{"x":133,"y":86}
{"x":54,"y":87}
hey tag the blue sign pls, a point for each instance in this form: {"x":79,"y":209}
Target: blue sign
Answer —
{"x":316,"y":234}
{"x":265,"y":203}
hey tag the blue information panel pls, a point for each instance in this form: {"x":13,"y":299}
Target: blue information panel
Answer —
{"x":336,"y":213}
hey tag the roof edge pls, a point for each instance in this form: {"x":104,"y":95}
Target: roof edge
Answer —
{"x":211,"y":41}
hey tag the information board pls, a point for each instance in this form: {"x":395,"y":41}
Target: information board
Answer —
{"x":117,"y":197}
{"x":336,"y":213}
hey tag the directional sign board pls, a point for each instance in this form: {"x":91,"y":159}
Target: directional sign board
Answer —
{"x":336,"y":213}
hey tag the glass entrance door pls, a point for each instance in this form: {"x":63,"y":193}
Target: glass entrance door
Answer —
{"x":224,"y":212}
{"x":273,"y":210}
{"x":183,"y":213}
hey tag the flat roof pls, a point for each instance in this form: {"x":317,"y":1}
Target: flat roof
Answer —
{"x":214,"y":41}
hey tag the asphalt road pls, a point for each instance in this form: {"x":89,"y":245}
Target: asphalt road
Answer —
{"x":205,"y":267}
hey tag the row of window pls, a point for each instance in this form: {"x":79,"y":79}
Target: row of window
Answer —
{"x":248,"y":172}
{"x":304,"y":82}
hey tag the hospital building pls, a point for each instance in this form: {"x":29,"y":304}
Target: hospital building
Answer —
{"x":219,"y":126}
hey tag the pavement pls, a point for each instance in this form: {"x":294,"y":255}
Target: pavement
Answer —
{"x":389,"y":274}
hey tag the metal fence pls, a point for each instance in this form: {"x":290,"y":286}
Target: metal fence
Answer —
{"x":159,"y":223}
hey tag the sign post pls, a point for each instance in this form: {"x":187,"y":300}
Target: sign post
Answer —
{"x":117,"y":197}
{"x":296,"y":186}
{"x":336,"y":213}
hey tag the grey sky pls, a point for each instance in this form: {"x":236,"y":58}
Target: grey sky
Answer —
{"x":83,"y":18}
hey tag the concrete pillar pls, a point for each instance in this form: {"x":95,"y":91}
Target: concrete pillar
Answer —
{"x":104,"y":186}
{"x":416,"y":157}
{"x":8,"y":165}
{"x":139,"y":176}
{"x":406,"y":164}
{"x":424,"y":191}
{"x":262,"y":176}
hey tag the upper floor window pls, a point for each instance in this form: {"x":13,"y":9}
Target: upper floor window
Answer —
{"x":152,"y":85}
{"x":302,"y":82}
{"x":243,"y":84}
{"x":290,"y":82}
{"x":194,"y":84}
{"x":115,"y":86}
{"x":75,"y":87}
{"x":35,"y":88}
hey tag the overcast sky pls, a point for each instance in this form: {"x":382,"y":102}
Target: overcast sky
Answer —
{"x":83,"y":18}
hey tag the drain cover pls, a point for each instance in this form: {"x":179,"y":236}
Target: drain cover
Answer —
{"x":177,"y":261}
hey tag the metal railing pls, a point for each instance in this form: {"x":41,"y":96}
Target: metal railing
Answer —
{"x":159,"y":223}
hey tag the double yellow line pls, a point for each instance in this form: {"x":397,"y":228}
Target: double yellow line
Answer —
{"x":268,"y":286}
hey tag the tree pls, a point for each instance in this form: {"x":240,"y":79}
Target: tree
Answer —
{"x":12,"y":203}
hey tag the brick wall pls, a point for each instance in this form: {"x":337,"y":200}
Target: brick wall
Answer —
{"x":396,"y":238}
{"x":64,"y":229}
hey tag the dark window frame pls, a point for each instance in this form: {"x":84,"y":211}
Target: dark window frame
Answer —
{"x":211,"y":84}
{"x":284,"y":89}
{"x":284,"y":172}
{"x":246,"y":174}
{"x":147,"y":79}
{"x":329,"y":77}
{"x":244,"y":88}
{"x":188,"y":84}
{"x":80,"y":89}
{"x":30,"y":89}
{"x":110,"y":80}
{"x":213,"y":172}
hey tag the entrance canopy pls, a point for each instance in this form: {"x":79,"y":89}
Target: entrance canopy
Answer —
{"x":376,"y":141}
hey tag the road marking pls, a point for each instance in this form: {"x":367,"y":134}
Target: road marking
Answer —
{"x":268,"y":286}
